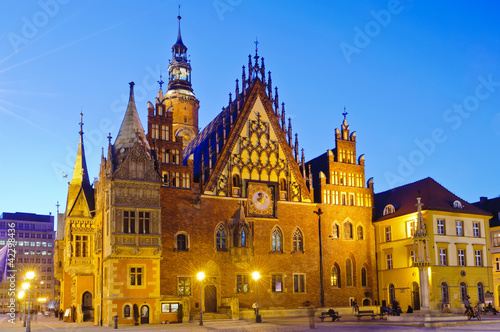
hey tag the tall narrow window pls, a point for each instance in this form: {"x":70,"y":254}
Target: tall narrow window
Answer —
{"x":221,"y":237}
{"x":463,"y":291}
{"x":335,"y":277}
{"x":392,"y":293}
{"x":442,"y":257}
{"x":186,"y":180}
{"x":480,"y":292}
{"x":475,"y":229}
{"x":276,"y":240}
{"x":497,"y":264}
{"x":364,"y":281}
{"x":299,"y":284}
{"x":347,"y":230}
{"x":389,"y":261}
{"x":461,"y":257}
{"x":444,"y":293}
{"x":459,"y":227}
{"x":335,"y":231}
{"x":440,"y":225}
{"x":388,"y":236}
{"x":479,"y":257}
{"x":164,"y":132}
{"x":243,"y":238}
{"x":348,"y":273}
{"x":297,"y":240}
{"x":495,"y":241}
{"x":360,"y":233}
{"x":144,"y":222}
{"x":81,"y":243}
{"x":156,"y":131}
{"x":128,"y":221}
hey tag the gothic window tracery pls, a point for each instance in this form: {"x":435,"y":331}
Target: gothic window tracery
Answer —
{"x":220,"y":238}
{"x":276,"y":240}
{"x":298,"y":241}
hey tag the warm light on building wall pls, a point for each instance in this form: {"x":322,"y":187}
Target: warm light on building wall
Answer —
{"x":429,"y":273}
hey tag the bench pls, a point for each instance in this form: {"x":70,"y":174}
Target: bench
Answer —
{"x":381,"y":314}
{"x":335,"y":316}
{"x":365,"y":313}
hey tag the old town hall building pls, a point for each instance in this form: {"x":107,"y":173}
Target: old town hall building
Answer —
{"x":234,"y":198}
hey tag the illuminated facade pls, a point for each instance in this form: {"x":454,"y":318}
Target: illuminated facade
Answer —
{"x":234,"y":198}
{"x":458,"y":247}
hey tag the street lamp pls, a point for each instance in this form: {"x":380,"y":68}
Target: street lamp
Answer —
{"x":20,"y":296}
{"x":26,"y":286}
{"x":200,"y":276}
{"x":258,"y":318}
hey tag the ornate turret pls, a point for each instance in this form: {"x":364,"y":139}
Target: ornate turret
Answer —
{"x":179,"y":69}
{"x":180,"y":94}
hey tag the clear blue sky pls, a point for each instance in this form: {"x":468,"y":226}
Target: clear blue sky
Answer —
{"x":420,"y":81}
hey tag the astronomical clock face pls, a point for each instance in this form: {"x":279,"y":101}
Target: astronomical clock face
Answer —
{"x":261,"y":200}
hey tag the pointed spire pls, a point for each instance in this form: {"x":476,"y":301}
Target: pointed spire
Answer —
{"x":303,"y":163}
{"x":283,"y":116}
{"x":179,"y":37}
{"x":80,"y":174}
{"x":131,"y":130}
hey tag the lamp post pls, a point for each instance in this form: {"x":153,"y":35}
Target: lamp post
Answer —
{"x":200,"y":276}
{"x":258,"y":318}
{"x":20,"y":296}
{"x":29,"y":275}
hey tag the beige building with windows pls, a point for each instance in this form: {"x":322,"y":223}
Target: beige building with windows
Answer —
{"x":458,"y":247}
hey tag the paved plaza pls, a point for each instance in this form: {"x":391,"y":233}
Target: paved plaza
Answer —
{"x":347,"y":323}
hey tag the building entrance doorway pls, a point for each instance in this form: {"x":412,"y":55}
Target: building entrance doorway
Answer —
{"x":415,"y":296}
{"x":210,"y":298}
{"x":87,"y":309}
{"x":144,"y":314}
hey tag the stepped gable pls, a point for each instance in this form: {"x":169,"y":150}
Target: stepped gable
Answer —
{"x":212,"y":148}
{"x":434,"y":197}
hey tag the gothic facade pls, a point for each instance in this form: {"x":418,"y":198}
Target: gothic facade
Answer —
{"x":235,"y":198}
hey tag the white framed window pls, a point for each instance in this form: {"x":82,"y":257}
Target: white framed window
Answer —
{"x":478,"y":255}
{"x":388,"y":236}
{"x":277,"y":283}
{"x":461,"y":257}
{"x":389,"y":261}
{"x":459,"y":227}
{"x":412,"y":257}
{"x":440,"y":224}
{"x":475,"y":229}
{"x":389,"y":209}
{"x":442,"y":257}
{"x":497,"y":264}
{"x":411,"y":227}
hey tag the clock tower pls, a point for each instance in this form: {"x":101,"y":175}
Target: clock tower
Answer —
{"x":179,"y":96}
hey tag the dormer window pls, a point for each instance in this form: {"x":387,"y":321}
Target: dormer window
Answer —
{"x":457,"y":205}
{"x":389,"y":209}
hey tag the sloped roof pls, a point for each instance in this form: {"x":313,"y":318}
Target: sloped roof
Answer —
{"x":434,"y":197}
{"x":493,"y":206}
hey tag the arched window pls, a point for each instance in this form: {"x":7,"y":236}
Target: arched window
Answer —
{"x":276,"y":239}
{"x":480,"y":292}
{"x":335,"y":276}
{"x":243,"y":238}
{"x":392,"y":293}
{"x":126,"y":311}
{"x":458,"y":205}
{"x":360,"y":232}
{"x":282,"y":184}
{"x":297,"y":240}
{"x":444,"y":293}
{"x":220,"y":237}
{"x":364,"y":277}
{"x":347,"y":230}
{"x":236,"y":180}
{"x":348,"y":273}
{"x":389,"y":209}
{"x":463,"y":291}
{"x":335,"y":231}
{"x":181,"y":242}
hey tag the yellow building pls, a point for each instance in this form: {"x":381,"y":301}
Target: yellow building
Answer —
{"x":458,"y":247}
{"x":493,"y":206}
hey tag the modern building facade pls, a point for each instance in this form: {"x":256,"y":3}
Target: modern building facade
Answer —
{"x":34,"y":251}
{"x":457,"y":247}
